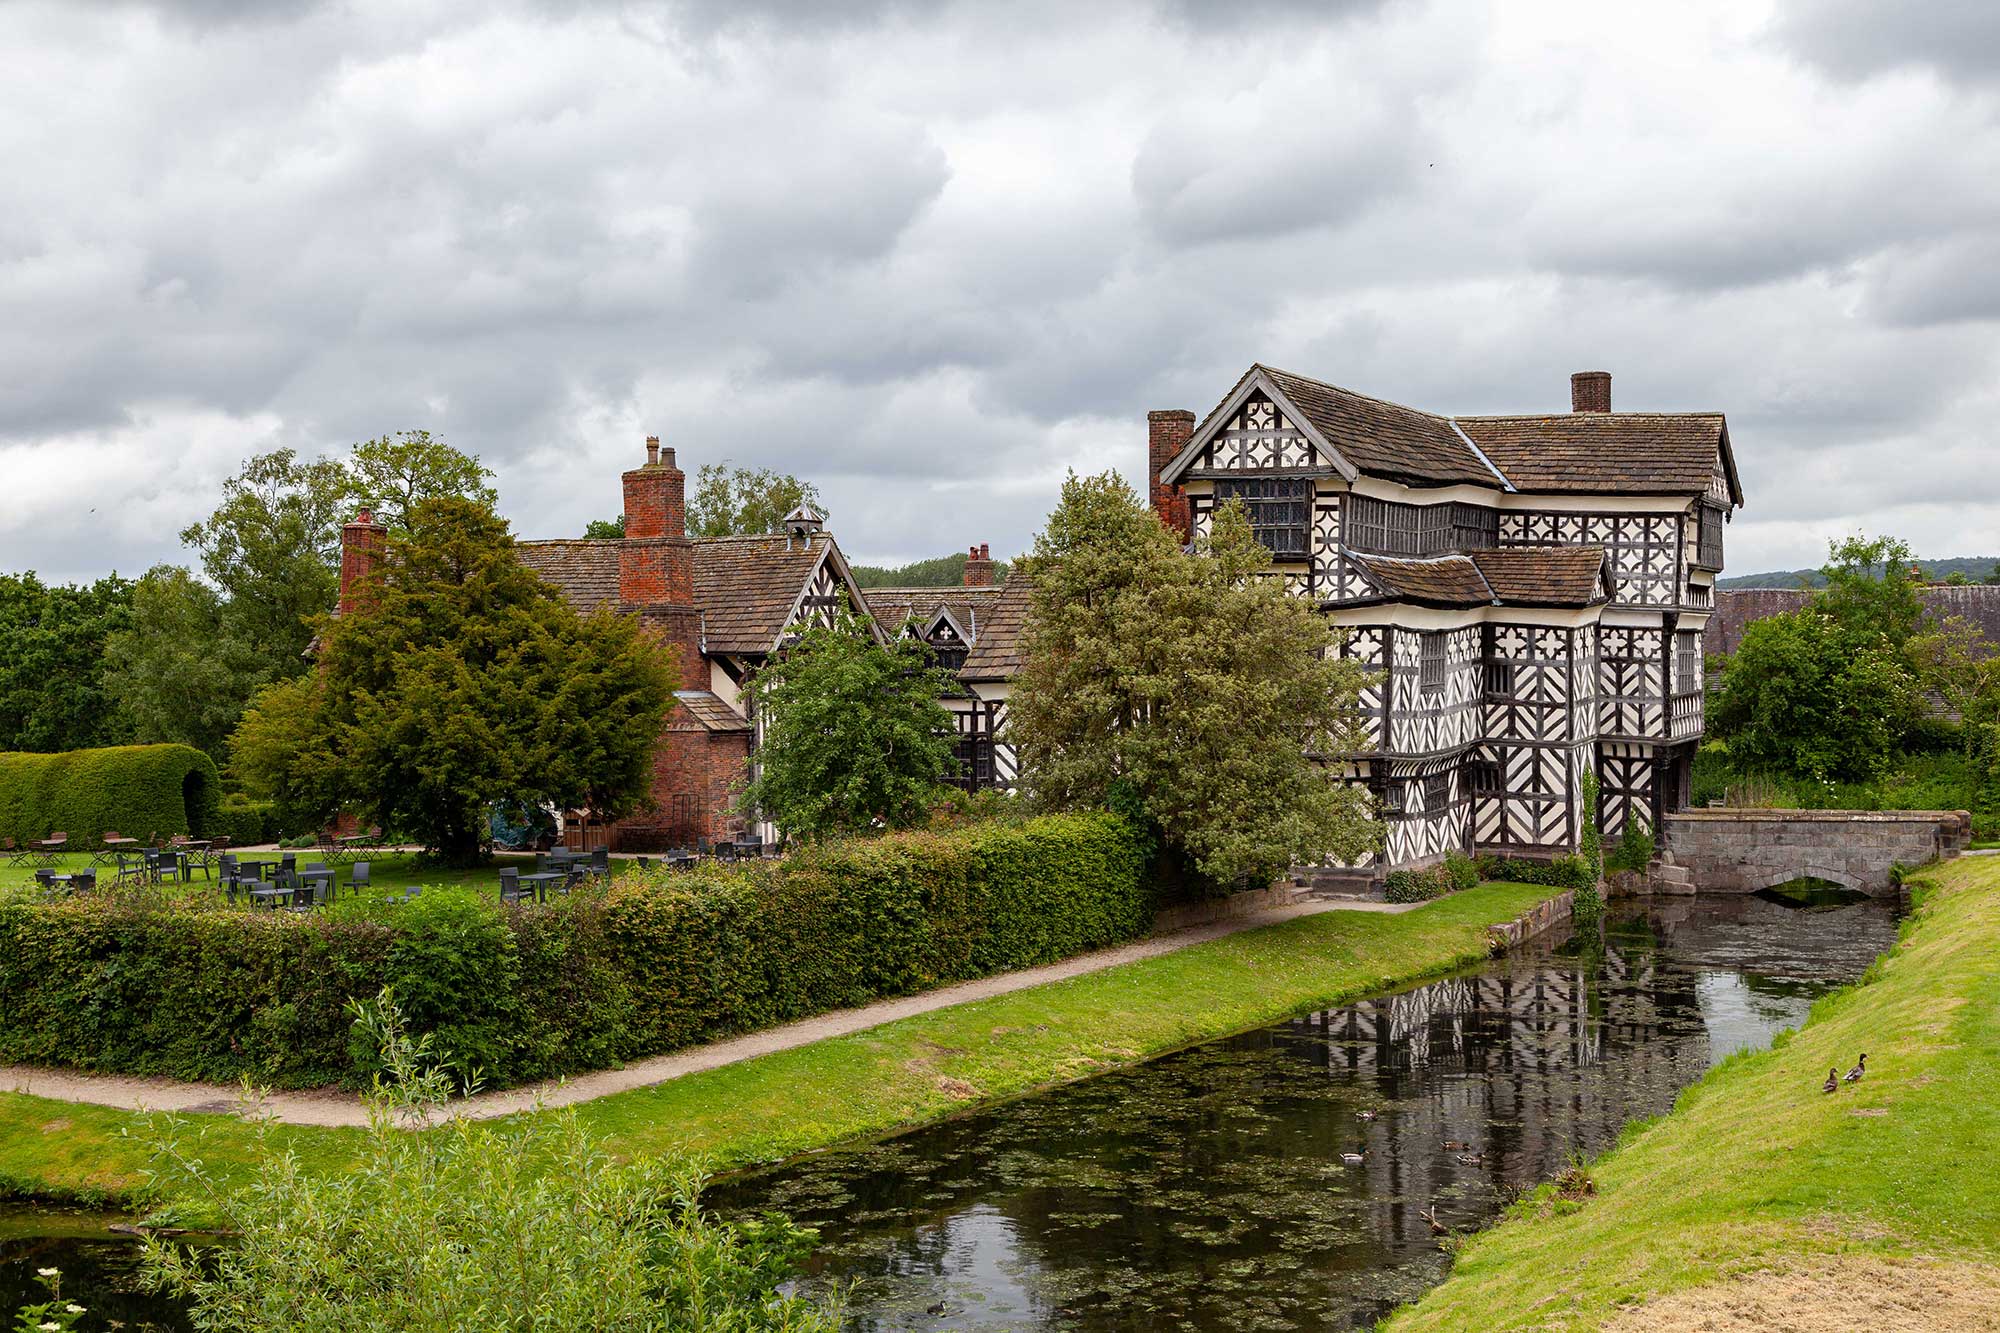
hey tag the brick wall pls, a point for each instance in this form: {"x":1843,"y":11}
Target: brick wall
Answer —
{"x":1167,"y":433}
{"x":1735,"y":608}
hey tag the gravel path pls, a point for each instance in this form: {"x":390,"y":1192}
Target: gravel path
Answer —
{"x":334,"y":1108}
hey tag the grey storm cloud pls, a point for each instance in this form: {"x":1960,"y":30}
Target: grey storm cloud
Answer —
{"x":932,"y":255}
{"x":1960,"y":39}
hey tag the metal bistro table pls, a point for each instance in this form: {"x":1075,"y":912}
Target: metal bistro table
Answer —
{"x":541,"y":880}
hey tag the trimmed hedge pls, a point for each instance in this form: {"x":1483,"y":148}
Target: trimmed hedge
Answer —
{"x":1564,"y":872}
{"x":140,"y":790}
{"x":156,"y":986}
{"x":245,"y":822}
{"x":1456,"y":871}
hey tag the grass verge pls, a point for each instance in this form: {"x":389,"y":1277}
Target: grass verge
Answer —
{"x":887,"y":1078}
{"x":1759,"y":1178}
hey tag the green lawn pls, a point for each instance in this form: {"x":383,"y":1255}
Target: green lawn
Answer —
{"x":1758,"y":1172}
{"x":894,"y":1076}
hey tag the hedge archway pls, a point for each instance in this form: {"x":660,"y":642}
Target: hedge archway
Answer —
{"x":139,"y":790}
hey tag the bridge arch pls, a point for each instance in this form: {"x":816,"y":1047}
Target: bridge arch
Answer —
{"x":1747,"y":851}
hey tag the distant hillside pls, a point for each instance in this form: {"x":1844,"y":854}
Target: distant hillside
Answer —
{"x":947,"y":571}
{"x":1975,"y":567}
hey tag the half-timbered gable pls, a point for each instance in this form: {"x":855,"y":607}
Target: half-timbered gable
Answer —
{"x":950,"y":621}
{"x":1527,"y":592}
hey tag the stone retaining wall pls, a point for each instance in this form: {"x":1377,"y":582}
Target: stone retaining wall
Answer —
{"x":1537,"y":920}
{"x":1743,"y":851}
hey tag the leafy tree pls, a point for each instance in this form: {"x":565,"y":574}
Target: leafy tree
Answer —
{"x":728,"y":501}
{"x":1195,"y":682}
{"x":469,"y":1225}
{"x":1872,"y":589}
{"x":853,"y":734}
{"x":1806,"y":697}
{"x":604,"y":529}
{"x":945,"y":571}
{"x":397,"y":472}
{"x":52,"y":642}
{"x":181,"y":671}
{"x":461,"y":681}
{"x":273,"y":547}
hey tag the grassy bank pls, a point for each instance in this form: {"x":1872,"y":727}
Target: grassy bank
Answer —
{"x":1760,"y":1193}
{"x":901,"y":1074}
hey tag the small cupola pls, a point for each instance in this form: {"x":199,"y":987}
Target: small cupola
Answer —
{"x":804,"y":522}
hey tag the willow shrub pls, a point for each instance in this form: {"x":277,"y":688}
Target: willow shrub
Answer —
{"x":146,"y":984}
{"x":468,"y":1227}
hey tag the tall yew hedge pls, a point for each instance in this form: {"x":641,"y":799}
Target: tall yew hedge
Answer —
{"x":137,"y":789}
{"x":661,"y":961}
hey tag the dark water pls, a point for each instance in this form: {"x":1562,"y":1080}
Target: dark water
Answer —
{"x":99,"y":1271}
{"x":1207,"y":1190}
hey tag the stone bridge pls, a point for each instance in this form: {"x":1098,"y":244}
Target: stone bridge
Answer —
{"x":1742,"y":851}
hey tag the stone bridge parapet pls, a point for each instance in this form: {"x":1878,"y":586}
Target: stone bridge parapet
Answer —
{"x":1743,"y":851}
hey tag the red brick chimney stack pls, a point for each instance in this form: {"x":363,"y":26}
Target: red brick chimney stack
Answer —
{"x":656,"y":559}
{"x":362,"y":543}
{"x":1590,"y":391}
{"x":979,"y":568}
{"x":1167,"y":433}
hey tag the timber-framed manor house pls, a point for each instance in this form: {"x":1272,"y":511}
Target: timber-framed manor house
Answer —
{"x":1528,"y":592}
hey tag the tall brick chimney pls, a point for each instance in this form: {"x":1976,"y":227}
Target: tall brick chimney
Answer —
{"x":1590,"y":391}
{"x":979,"y":568}
{"x":362,"y":542}
{"x":656,"y":560}
{"x":1167,"y":433}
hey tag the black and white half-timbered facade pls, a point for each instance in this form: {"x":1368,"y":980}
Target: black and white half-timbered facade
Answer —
{"x":1528,"y":592}
{"x":954,"y":623}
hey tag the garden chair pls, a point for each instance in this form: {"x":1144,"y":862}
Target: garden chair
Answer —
{"x":357,"y":878}
{"x":227,"y":864}
{"x":320,"y":876}
{"x":510,"y":885}
{"x":133,"y":868}
{"x":725,"y":852}
{"x":645,"y":862}
{"x":83,"y":881}
{"x":49,"y":848}
{"x":600,"y":863}
{"x":108,"y":843}
{"x":15,"y":855}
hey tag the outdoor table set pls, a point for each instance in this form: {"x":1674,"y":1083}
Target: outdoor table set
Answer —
{"x":285,"y":883}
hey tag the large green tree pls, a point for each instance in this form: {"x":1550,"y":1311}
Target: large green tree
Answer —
{"x":728,"y":501}
{"x":854,"y":734}
{"x":1833,"y":690}
{"x":272,"y":546}
{"x":1195,"y":683}
{"x":180,"y":671}
{"x":53,"y":694}
{"x":395,"y":473}
{"x":463,"y":680}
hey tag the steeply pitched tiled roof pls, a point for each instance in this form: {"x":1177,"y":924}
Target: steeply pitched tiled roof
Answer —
{"x":1633,"y":453}
{"x":746,"y":587}
{"x":1544,"y":575}
{"x":1590,"y":453}
{"x":585,"y":571}
{"x":970,"y":607}
{"x":1381,"y":438}
{"x":997,"y":654}
{"x":1451,"y":580}
{"x":1527,"y":576}
{"x":708,"y":709}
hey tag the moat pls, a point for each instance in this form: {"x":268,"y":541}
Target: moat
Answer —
{"x":1216,"y":1188}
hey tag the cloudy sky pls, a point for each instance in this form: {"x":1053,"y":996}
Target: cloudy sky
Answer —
{"x":930,"y":256}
